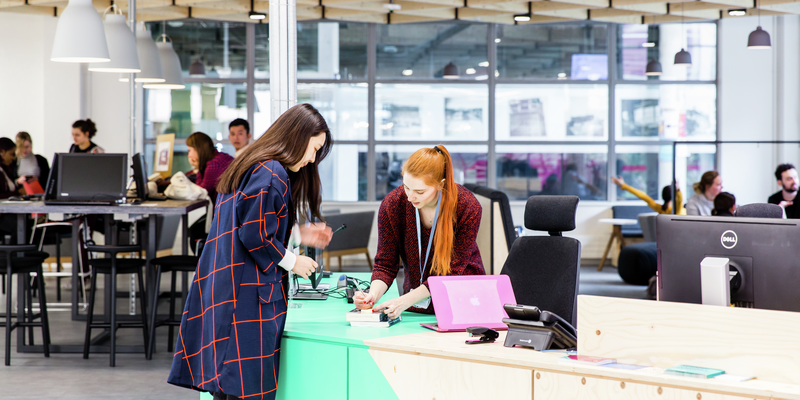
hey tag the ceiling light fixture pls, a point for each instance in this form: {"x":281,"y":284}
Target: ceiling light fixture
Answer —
{"x":470,"y":71}
{"x":253,"y":14}
{"x":648,"y":44}
{"x":450,"y":71}
{"x":407,"y":72}
{"x":653,"y":68}
{"x":391,"y":6}
{"x":759,"y":38}
{"x":741,"y":12}
{"x":683,"y":57}
{"x":80,"y":37}
{"x":483,"y":64}
{"x":197,"y":69}
{"x":121,"y":45}
{"x":170,"y":64}
{"x":498,"y":40}
{"x":522,"y":17}
{"x":149,"y":59}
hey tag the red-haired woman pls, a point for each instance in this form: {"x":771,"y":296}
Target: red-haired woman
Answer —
{"x":430,"y":223}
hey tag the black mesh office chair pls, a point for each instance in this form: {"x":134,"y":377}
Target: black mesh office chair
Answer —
{"x":760,"y":210}
{"x":544,"y":270}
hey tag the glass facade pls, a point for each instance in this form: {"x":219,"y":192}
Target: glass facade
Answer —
{"x":529,"y":109}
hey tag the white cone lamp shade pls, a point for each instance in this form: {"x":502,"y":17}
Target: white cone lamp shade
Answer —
{"x":759,"y":39}
{"x":121,"y":47}
{"x":149,"y":58}
{"x":171,"y":66}
{"x":80,"y":37}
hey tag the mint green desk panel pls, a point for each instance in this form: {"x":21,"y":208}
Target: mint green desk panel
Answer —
{"x":318,"y":340}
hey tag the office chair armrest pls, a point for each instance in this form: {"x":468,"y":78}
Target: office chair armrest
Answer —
{"x":114,"y":249}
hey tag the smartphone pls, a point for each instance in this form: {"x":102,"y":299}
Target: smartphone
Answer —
{"x":523,"y":312}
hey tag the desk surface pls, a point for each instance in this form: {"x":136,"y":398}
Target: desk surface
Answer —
{"x":325,"y":320}
{"x":148,"y":207}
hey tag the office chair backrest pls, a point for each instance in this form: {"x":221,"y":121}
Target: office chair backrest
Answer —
{"x":760,"y":210}
{"x":357,"y":233}
{"x":648,"y":223}
{"x":544,"y":270}
{"x":630,"y":212}
{"x":496,"y":233}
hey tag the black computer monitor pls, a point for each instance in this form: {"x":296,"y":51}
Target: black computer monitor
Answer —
{"x":140,"y":176}
{"x":95,"y":177}
{"x":765,"y":253}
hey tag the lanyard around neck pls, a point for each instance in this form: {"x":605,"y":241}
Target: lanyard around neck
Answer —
{"x":422,"y":265}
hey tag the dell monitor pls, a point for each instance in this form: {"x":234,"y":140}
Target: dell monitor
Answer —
{"x":764,"y":253}
{"x":92,"y":177}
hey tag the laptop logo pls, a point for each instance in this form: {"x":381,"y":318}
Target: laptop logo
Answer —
{"x":729,"y":239}
{"x":475,"y":301}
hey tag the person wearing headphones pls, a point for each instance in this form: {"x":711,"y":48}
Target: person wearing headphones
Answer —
{"x":430,"y":223}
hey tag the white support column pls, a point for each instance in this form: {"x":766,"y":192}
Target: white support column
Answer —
{"x":282,"y":56}
{"x":132,"y":87}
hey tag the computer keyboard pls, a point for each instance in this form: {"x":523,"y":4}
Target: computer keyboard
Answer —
{"x":79,"y":203}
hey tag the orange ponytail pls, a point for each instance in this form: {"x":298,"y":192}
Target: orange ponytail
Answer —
{"x":432,"y":165}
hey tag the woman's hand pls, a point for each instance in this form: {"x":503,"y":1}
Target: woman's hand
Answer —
{"x":22,"y":179}
{"x":364,"y":301}
{"x":315,"y":235}
{"x":394,"y":307}
{"x":304,"y":266}
{"x":618,"y":180}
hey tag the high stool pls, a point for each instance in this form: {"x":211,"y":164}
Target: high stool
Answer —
{"x":30,"y":262}
{"x":173,"y":264}
{"x":114,"y":266}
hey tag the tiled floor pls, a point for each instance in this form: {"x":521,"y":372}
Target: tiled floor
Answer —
{"x":69,"y":376}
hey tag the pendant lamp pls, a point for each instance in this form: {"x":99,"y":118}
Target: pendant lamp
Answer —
{"x":149,"y":58}
{"x":653,"y":68}
{"x":171,"y":65}
{"x":80,"y":37}
{"x":197,"y":69}
{"x":682,"y":57}
{"x":121,"y":46}
{"x":450,"y":71}
{"x":759,"y":38}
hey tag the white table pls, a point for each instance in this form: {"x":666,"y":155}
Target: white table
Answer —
{"x":616,"y":232}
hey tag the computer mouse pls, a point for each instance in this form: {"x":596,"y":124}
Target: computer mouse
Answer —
{"x":136,"y":202}
{"x":14,"y":198}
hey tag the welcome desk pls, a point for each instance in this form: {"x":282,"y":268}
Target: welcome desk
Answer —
{"x":407,"y":361}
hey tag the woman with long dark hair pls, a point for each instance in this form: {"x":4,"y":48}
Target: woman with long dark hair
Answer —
{"x":209,"y":163}
{"x":430,"y":223}
{"x":230,"y":334}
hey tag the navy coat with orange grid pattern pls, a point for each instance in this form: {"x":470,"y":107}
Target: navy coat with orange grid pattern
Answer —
{"x":230,"y":333}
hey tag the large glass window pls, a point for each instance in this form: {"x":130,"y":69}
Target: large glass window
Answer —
{"x":422,"y":51}
{"x":553,"y":51}
{"x":637,"y":44}
{"x":203,"y":107}
{"x":551,"y":112}
{"x":220,"y":46}
{"x":469,"y":165}
{"x":550,"y":127}
{"x":325,"y":50}
{"x":649,"y":168}
{"x":672,"y":112}
{"x":431,"y":112}
{"x":524,"y":171}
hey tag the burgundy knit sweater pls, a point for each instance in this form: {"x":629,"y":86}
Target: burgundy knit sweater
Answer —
{"x":397,"y":241}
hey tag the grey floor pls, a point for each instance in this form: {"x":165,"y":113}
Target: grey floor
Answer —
{"x":69,"y":376}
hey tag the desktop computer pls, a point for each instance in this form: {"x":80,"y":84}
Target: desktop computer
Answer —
{"x":763,"y":253}
{"x":87,"y":178}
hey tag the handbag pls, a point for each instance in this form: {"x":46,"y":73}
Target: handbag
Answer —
{"x":181,"y":188}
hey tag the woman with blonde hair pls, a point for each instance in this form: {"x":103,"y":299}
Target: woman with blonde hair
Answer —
{"x":30,"y":165}
{"x":430,"y":223}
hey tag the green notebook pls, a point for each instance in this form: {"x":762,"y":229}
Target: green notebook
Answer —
{"x":694,"y":372}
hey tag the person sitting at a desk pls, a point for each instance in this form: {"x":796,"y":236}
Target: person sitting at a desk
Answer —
{"x":209,"y":163}
{"x":429,"y":218}
{"x":8,"y":186}
{"x":82,"y":133}
{"x":30,"y":165}
{"x":229,"y":341}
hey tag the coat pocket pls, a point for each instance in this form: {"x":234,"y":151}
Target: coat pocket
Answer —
{"x":270,"y":292}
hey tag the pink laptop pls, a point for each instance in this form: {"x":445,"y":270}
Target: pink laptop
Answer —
{"x":465,"y":301}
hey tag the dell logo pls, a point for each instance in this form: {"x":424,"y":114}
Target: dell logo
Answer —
{"x":729,"y":239}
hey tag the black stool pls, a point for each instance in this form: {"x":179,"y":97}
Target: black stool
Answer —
{"x":114,"y":266}
{"x":173,"y":264}
{"x":30,"y":262}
